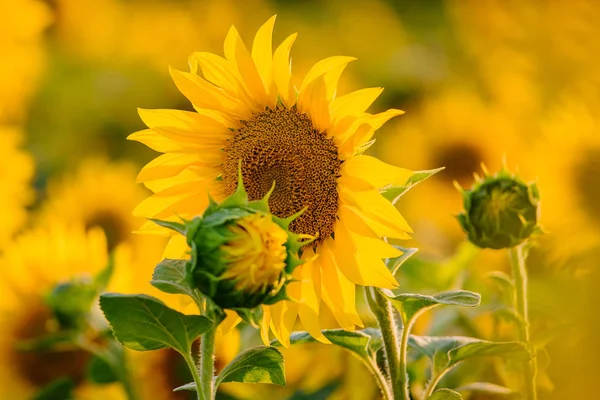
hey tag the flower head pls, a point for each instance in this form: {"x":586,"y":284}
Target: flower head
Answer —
{"x":241,"y":255}
{"x":308,"y":142}
{"x":501,"y":211}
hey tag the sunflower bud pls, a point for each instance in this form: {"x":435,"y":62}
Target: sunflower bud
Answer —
{"x":241,"y":255}
{"x":501,"y":211}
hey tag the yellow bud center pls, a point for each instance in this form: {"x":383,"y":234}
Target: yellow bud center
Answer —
{"x":256,"y":256}
{"x":500,"y":201}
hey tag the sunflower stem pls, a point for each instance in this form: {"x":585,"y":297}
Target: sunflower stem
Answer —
{"x":194,"y":370}
{"x":518,"y":254}
{"x":207,"y":362}
{"x":382,"y":308}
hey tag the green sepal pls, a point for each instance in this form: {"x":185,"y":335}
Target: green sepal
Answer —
{"x":172,"y":225}
{"x":393,"y":193}
{"x":394,"y":264}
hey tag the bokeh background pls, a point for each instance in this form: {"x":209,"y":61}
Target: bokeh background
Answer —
{"x":481,"y":81}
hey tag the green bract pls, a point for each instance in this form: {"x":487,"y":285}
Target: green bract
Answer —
{"x":214,"y":239}
{"x":501,"y":211}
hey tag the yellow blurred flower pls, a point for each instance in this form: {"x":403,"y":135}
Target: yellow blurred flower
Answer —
{"x":32,"y":265}
{"x":456,"y":130}
{"x":16,"y":172}
{"x":154,"y":32}
{"x":21,"y":25}
{"x":307,"y":145}
{"x":569,"y":180}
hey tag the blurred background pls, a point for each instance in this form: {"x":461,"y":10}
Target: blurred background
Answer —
{"x":480,"y":81}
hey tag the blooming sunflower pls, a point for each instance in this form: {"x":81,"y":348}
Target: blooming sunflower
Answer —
{"x":31,"y":266}
{"x":307,"y":141}
{"x":16,"y":171}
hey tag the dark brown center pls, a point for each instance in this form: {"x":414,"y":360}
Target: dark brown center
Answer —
{"x":461,"y":161}
{"x":587,"y":182}
{"x":114,"y":227}
{"x":283,"y":146}
{"x":41,"y":367}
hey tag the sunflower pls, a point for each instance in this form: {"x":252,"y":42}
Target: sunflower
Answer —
{"x":307,"y":141}
{"x":570,"y":182}
{"x":31,"y":266}
{"x":21,"y":42}
{"x":458,"y":130}
{"x":16,"y":172}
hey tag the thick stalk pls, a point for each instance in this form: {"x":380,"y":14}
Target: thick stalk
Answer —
{"x":207,"y":362}
{"x":382,"y":308}
{"x":194,"y":370}
{"x":382,"y":381}
{"x":519,"y":272}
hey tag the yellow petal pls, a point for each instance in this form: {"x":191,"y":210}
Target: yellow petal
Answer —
{"x":282,"y":72}
{"x":155,"y":142}
{"x":177,"y":248}
{"x":237,"y":54}
{"x":205,"y":95}
{"x":374,"y":171}
{"x":165,"y":166}
{"x":354,"y":103}
{"x":230,"y":322}
{"x":313,"y":102}
{"x":322,"y":67}
{"x":370,"y":273}
{"x":262,"y":54}
{"x":310,"y":322}
{"x":186,"y":120}
{"x":381,"y":227}
{"x":338,"y":291}
{"x":265,"y":322}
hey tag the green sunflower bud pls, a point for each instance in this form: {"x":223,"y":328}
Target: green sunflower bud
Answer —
{"x":501,"y":211}
{"x":241,"y":255}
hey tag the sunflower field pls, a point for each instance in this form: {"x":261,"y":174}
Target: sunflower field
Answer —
{"x":299,"y":200}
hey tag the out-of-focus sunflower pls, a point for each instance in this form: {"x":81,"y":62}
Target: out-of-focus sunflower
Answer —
{"x":21,"y":25}
{"x":31,"y":266}
{"x":155,"y":32}
{"x":456,"y":130}
{"x":16,"y":172}
{"x":305,"y":141}
{"x":570,"y":180}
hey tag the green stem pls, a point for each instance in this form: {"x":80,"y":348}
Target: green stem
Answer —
{"x":382,"y":308}
{"x":433,"y":383}
{"x":194,"y":370}
{"x":382,"y":381}
{"x":207,"y":362}
{"x":402,"y":376}
{"x":519,"y":271}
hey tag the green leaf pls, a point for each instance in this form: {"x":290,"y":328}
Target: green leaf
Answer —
{"x":489,"y":388}
{"x":445,"y":394}
{"x":261,"y":364}
{"x":394,"y":264}
{"x":59,"y":389}
{"x":173,"y":277}
{"x":393,"y":193}
{"x":99,"y":371}
{"x":143,"y":323}
{"x":411,"y":305}
{"x":447,"y":351}
{"x":188,"y":386}
{"x":362,"y":343}
{"x":503,"y":281}
{"x":323,"y":393}
{"x":174,"y":226}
